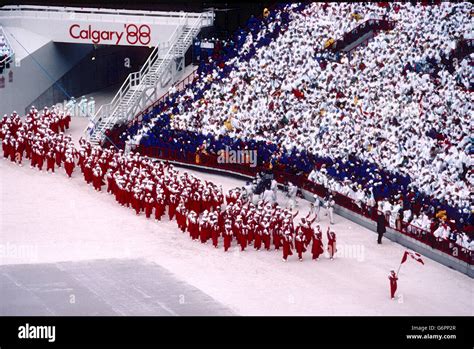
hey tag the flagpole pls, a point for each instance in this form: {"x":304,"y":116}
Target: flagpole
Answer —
{"x":399,"y":268}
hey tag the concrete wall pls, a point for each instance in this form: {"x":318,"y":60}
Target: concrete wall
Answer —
{"x":107,"y":69}
{"x":403,"y":240}
{"x":31,"y":79}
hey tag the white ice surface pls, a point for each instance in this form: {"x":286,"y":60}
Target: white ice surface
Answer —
{"x":50,"y":218}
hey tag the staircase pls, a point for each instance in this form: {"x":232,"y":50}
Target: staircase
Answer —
{"x":141,"y":88}
{"x":360,"y":35}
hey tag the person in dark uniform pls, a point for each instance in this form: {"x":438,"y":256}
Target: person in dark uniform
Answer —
{"x":380,"y":227}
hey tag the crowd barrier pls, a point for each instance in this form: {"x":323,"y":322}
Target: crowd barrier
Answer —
{"x":212,"y":161}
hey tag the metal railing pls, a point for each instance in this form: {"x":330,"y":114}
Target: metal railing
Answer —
{"x":179,"y":86}
{"x":131,"y":79}
{"x":87,"y":13}
{"x":180,"y":45}
{"x":7,"y":58}
{"x":148,"y":76}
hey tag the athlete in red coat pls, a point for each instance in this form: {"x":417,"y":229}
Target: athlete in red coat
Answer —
{"x":96,"y":178}
{"x":277,"y":238}
{"x":40,"y":158}
{"x":393,"y":283}
{"x":243,"y":237}
{"x":317,"y":248}
{"x":307,"y":229}
{"x":159,"y":207}
{"x":300,"y":244}
{"x":331,"y":244}
{"x":227,"y":236}
{"x":215,"y":233}
{"x":149,"y":202}
{"x":287,"y":245}
{"x":204,"y":231}
{"x":50,"y":161}
{"x":257,"y":237}
{"x":266,"y":234}
{"x":172,"y":206}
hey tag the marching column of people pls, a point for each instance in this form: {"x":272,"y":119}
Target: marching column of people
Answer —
{"x":39,"y":138}
{"x":153,"y":188}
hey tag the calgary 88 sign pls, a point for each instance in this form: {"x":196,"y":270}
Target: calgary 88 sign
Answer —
{"x":135,"y":34}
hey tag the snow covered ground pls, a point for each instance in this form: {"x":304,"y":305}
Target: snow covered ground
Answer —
{"x":49,"y":218}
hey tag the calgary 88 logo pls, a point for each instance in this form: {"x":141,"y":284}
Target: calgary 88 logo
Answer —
{"x":137,"y":34}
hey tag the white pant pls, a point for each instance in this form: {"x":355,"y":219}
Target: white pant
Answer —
{"x":315,"y":209}
{"x":291,"y":203}
{"x":274,"y":195}
{"x":331,"y":215}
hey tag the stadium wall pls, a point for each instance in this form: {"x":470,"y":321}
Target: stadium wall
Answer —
{"x":39,"y":71}
{"x":109,"y":67}
{"x":403,"y":240}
